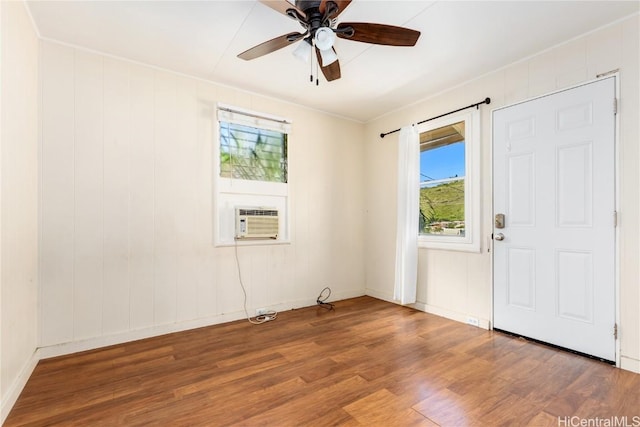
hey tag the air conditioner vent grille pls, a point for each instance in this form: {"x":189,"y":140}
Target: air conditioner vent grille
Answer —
{"x":262,"y":225}
{"x":258,"y":212}
{"x":257,"y":223}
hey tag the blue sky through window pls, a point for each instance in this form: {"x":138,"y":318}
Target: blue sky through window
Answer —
{"x":442,"y":162}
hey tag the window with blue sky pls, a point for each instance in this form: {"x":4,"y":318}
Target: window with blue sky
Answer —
{"x":442,"y":181}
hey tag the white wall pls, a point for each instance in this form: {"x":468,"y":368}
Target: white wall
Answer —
{"x":126,"y":205}
{"x":19,"y":198}
{"x":457,"y":284}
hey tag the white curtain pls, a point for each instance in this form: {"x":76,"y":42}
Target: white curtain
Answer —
{"x":408,"y":210}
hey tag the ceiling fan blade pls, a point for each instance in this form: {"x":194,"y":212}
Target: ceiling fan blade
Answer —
{"x":282,"y":6}
{"x":332,"y":71}
{"x":271,"y":46}
{"x":342,"y":5}
{"x":378,"y":34}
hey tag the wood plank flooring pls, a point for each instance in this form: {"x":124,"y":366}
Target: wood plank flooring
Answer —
{"x":368,"y":363}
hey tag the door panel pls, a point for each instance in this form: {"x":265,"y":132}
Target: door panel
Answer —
{"x":521,"y":189}
{"x":521,"y":280}
{"x":554,"y":179}
{"x":575,"y":185}
{"x":575,"y":285}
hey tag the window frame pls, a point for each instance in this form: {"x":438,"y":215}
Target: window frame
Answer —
{"x":225,"y":128}
{"x":229,"y":193}
{"x":470,"y":242}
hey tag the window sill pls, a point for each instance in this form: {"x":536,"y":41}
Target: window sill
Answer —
{"x":239,"y":243}
{"x":449,"y":246}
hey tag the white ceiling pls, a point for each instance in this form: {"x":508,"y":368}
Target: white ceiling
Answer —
{"x":459,"y":41}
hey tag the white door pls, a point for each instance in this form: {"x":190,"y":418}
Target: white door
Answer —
{"x":554,"y":181}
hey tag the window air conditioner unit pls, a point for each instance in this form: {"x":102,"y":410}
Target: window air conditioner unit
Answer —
{"x":256,"y":223}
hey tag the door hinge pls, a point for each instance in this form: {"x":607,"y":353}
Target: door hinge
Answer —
{"x":615,"y":219}
{"x":615,"y":331}
{"x":615,"y":106}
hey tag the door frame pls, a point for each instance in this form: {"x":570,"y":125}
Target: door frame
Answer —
{"x":616,"y":167}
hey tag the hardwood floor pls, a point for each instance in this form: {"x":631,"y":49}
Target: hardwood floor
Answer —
{"x":368,"y":363}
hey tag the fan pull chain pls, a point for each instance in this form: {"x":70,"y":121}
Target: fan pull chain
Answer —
{"x":311,"y":66}
{"x":317,"y":73}
{"x":313,"y":51}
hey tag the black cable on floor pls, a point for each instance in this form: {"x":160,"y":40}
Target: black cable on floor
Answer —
{"x":322,"y":299}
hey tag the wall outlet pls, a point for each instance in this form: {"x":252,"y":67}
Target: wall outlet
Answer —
{"x":261,"y":311}
{"x":473,"y":321}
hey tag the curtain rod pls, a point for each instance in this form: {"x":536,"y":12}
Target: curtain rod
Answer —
{"x":257,"y":116}
{"x":477,"y":104}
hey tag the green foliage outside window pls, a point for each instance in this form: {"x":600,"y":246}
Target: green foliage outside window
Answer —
{"x":252,"y":153}
{"x":442,"y":208}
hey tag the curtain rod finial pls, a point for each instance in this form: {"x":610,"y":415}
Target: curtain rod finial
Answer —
{"x":382,"y":135}
{"x":487,"y":101}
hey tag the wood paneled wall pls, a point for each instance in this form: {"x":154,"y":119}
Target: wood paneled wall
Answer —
{"x":18,"y":201}
{"x":127,"y":203}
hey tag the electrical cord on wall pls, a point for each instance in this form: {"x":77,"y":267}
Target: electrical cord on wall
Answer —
{"x":262,"y":318}
{"x":322,"y":299}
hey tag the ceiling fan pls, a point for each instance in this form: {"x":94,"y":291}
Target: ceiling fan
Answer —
{"x":318,"y":18}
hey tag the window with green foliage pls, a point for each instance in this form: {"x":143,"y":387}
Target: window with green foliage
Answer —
{"x":442,"y":176}
{"x":252,"y":153}
{"x":251,"y":170}
{"x":450,"y":183}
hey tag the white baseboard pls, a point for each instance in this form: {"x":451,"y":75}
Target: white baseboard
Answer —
{"x":629,"y":364}
{"x":384,"y":296}
{"x":438,"y":311}
{"x":47,"y":352}
{"x":62,"y":349}
{"x":355,"y":293}
{"x":14,"y":390}
{"x":450,"y":314}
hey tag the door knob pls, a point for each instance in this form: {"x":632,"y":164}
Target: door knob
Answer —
{"x":499,"y":237}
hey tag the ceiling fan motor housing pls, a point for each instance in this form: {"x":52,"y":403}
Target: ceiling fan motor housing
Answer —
{"x":306,"y":5}
{"x":314,"y":17}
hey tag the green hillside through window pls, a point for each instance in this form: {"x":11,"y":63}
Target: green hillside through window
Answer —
{"x":442,"y":209}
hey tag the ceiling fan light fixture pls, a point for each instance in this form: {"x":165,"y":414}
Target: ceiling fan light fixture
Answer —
{"x":325,"y":37}
{"x":303,"y":51}
{"x":319,"y":21}
{"x":328,"y":57}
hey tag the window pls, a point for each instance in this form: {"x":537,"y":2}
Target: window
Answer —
{"x":449,"y":187}
{"x":252,"y":153}
{"x":442,"y":175}
{"x":251,"y":170}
